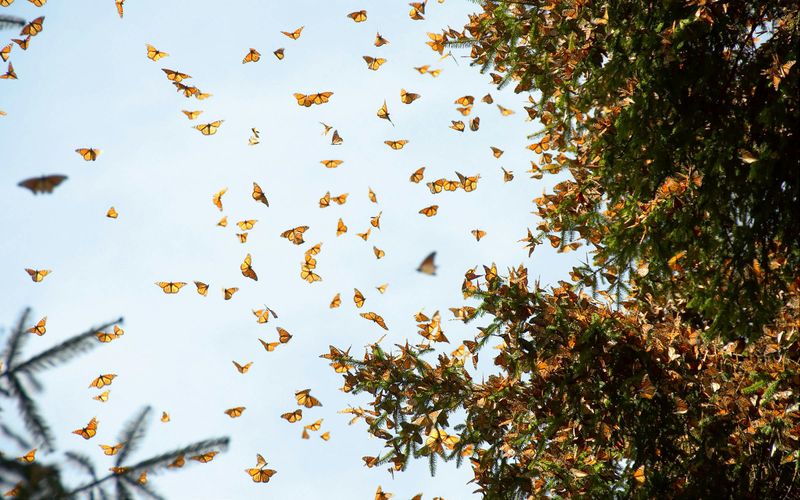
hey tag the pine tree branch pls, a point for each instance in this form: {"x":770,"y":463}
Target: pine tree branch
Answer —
{"x":146,"y":489}
{"x":17,"y":338}
{"x":82,"y":461}
{"x":131,"y":435}
{"x":30,"y":414}
{"x":21,"y":441}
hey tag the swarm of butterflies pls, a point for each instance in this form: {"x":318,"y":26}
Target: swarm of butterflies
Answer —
{"x":430,"y":328}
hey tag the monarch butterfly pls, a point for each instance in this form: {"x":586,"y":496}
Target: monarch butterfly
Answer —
{"x":383,"y":113}
{"x":325,"y":201}
{"x":307,"y":274}
{"x":382,"y":288}
{"x":258,"y":194}
{"x":112,"y":213}
{"x":340,"y":228}
{"x":259,"y":474}
{"x":416,"y":13}
{"x":89,"y":431}
{"x":475,"y":124}
{"x":336,"y":139}
{"x":111,"y":450}
{"x":217,"y":199}
{"x":325,"y":436}
{"x":294,"y":35}
{"x":465,"y":111}
{"x":379,"y":254}
{"x":88,"y":154}
{"x":308,"y":100}
{"x":34,"y":27}
{"x":119,"y":470}
{"x":336,"y":302}
{"x":205,"y":457}
{"x":358,"y":16}
{"x":430,"y":211}
{"x":418,"y":175}
{"x":102,"y":397}
{"x":279,"y":53}
{"x":372,"y":197}
{"x":311,"y":262}
{"x":179,"y":462}
{"x":314,"y":426}
{"x":468,"y":183}
{"x":341,"y":199}
{"x":422,"y":69}
{"x":376,"y":220}
{"x":228,"y":292}
{"x":262,"y":315}
{"x":505,"y":111}
{"x":380,"y":41}
{"x":37,"y":275}
{"x":304,"y":398}
{"x":488,"y":99}
{"x":242,"y":368}
{"x":252,"y":56}
{"x":106,"y":337}
{"x":478,"y":234}
{"x":375,"y":318}
{"x":428,"y":266}
{"x":28,"y":457}
{"x":247,"y":224}
{"x":365,"y":236}
{"x":170,"y":286}
{"x":154,"y":54}
{"x":235,"y":412}
{"x":638,"y":475}
{"x":175,"y":76}
{"x":327,"y":128}
{"x":247,"y":268}
{"x":202,"y":95}
{"x":269,"y":346}
{"x":209,"y":128}
{"x":439,"y":185}
{"x":436,"y":42}
{"x":314,"y":250}
{"x":508,"y":175}
{"x":374,"y":63}
{"x":39,"y":328}
{"x":358,"y":298}
{"x":408,"y":97}
{"x":434,"y":72}
{"x":120,"y":8}
{"x":332,"y":163}
{"x":293,"y":416}
{"x":466,"y":100}
{"x":142,"y":478}
{"x":379,"y":494}
{"x":283,"y":335}
{"x":396,"y":144}
{"x":496,"y":152}
{"x":223,"y":222}
{"x":103,"y":380}
{"x":458,"y":126}
{"x":5,"y":51}
{"x":10,"y":74}
{"x":295,"y":234}
{"x":188,"y":90}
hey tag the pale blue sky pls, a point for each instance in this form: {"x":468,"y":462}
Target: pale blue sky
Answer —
{"x":85,"y":82}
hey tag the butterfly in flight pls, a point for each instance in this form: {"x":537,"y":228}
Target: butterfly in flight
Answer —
{"x":358,"y":16}
{"x":170,"y":286}
{"x":39,"y":328}
{"x":252,"y":56}
{"x":294,"y":35}
{"x":308,"y":100}
{"x":37,"y":275}
{"x":259,"y":474}
{"x":209,"y":128}
{"x":428,"y":266}
{"x":304,"y":398}
{"x":279,"y":53}
{"x":88,"y":154}
{"x":154,"y":54}
{"x":89,"y":431}
{"x":44,"y":184}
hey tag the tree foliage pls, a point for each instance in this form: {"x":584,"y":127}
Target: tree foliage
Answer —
{"x":668,"y":365}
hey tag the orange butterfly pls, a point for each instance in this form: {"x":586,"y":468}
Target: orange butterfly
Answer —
{"x":295,"y":234}
{"x":154,"y":54}
{"x":383,"y":113}
{"x":258,"y":194}
{"x":242,"y":368}
{"x":179,"y":462}
{"x":34,"y":27}
{"x":112,"y":213}
{"x":374,"y":63}
{"x":467,"y":100}
{"x":325,"y":436}
{"x":436,"y":42}
{"x":28,"y":457}
{"x":223,"y":222}
{"x":165,"y":417}
{"x":376,"y":220}
{"x":89,"y":431}
{"x":496,"y":152}
{"x":487,"y":99}
{"x":308,"y":100}
{"x":380,"y":41}
{"x":228,"y":292}
{"x":283,"y":336}
{"x":175,"y":76}
{"x":331,"y":163}
{"x":478,"y":234}
{"x":382,"y":288}
{"x":325,"y":201}
{"x":235,"y":412}
{"x":340,"y":228}
{"x":262,"y":315}
{"x":252,"y":56}
{"x":307,"y":274}
{"x":23,"y":44}
{"x":5,"y":51}
{"x":408,"y":97}
{"x":205,"y":457}
{"x":202,"y":95}
{"x":508,"y":175}
{"x":314,"y":250}
{"x":468,"y":183}
{"x":202,"y":288}
{"x":422,"y":69}
{"x":170,"y":286}
{"x":458,"y":126}
{"x":293,"y":416}
{"x":417,"y":11}
{"x":505,"y":111}
{"x":396,"y":144}
{"x":294,"y":35}
{"x":379,"y":254}
{"x":430,"y":211}
{"x":341,"y":199}
{"x":465,"y":111}
{"x":188,"y":90}
{"x":217,"y":199}
{"x":37,"y":275}
{"x":279,"y":53}
{"x":418,"y":175}
{"x":358,"y":298}
{"x":102,"y":397}
{"x":9,"y":74}
{"x":358,"y":16}
{"x":372,"y":197}
{"x":269,"y":346}
{"x":103,"y":380}
{"x":209,"y":128}
{"x":120,"y":8}
{"x":304,"y":398}
{"x":88,"y":154}
{"x":40,"y":328}
{"x":428,"y":266}
{"x":375,"y":318}
{"x":247,"y":268}
{"x":365,"y":236}
{"x":336,"y":139}
{"x":259,"y":474}
{"x":315,"y":426}
{"x":475,"y":124}
{"x":336,"y":302}
{"x":106,"y":337}
{"x":111,"y":450}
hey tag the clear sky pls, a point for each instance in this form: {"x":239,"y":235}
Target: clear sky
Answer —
{"x":85,"y":81}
